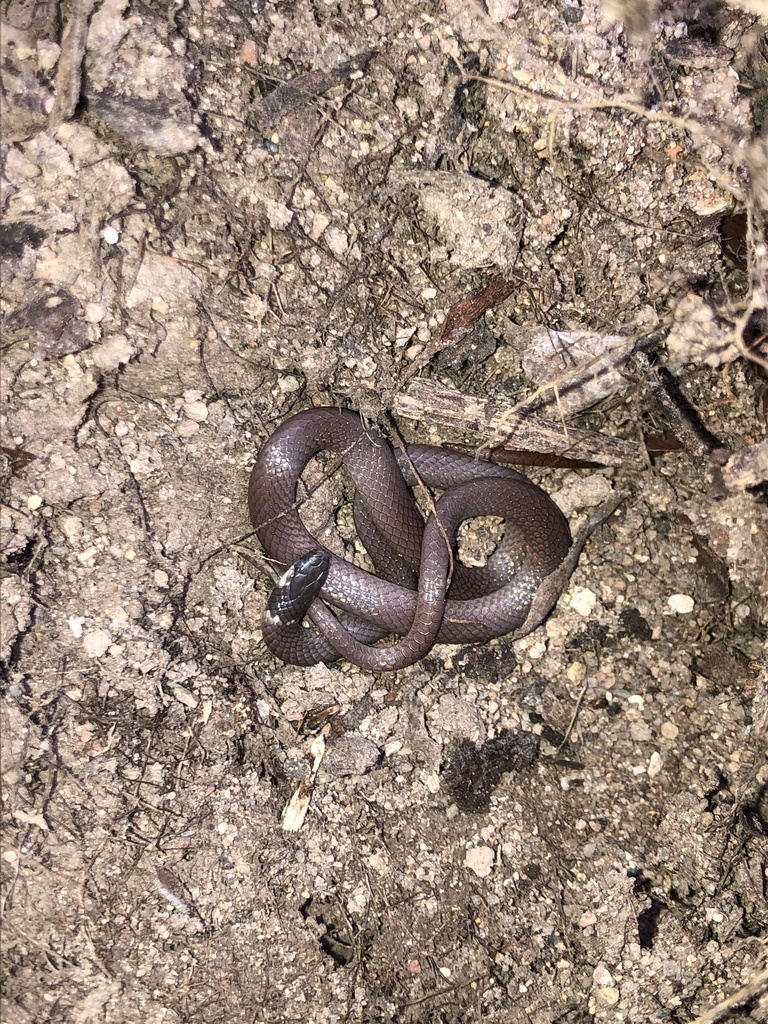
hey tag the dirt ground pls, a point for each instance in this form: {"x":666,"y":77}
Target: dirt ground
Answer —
{"x":246,"y":210}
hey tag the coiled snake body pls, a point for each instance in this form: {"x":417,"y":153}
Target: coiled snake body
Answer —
{"x":451,"y":603}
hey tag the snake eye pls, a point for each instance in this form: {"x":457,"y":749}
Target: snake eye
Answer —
{"x":298,"y":587}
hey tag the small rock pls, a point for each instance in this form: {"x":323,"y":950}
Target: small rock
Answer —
{"x":584,"y":601}
{"x":480,"y":860}
{"x":97,"y":643}
{"x":338,"y":241}
{"x":195,"y":411}
{"x":602,"y":976}
{"x":113,"y":352}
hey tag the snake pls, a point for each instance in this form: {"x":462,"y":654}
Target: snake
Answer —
{"x":418,"y":591}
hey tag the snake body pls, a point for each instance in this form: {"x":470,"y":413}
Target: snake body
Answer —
{"x":450,"y":603}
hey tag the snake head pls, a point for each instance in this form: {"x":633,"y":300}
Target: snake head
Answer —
{"x":298,"y":587}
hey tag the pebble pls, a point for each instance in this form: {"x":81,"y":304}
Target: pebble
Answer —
{"x":480,"y":860}
{"x":97,"y":643}
{"x":195,"y":411}
{"x":602,"y":976}
{"x":583,"y":601}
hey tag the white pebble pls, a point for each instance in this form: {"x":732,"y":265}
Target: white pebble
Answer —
{"x":480,"y":860}
{"x":583,"y":601}
{"x":95,"y":312}
{"x":681,"y":604}
{"x":602,"y":976}
{"x":338,"y":241}
{"x":195,"y":411}
{"x":97,"y":643}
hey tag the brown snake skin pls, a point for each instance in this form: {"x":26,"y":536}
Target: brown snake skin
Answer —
{"x":453,"y":605}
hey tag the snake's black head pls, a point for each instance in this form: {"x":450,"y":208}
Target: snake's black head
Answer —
{"x":298,"y":587}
